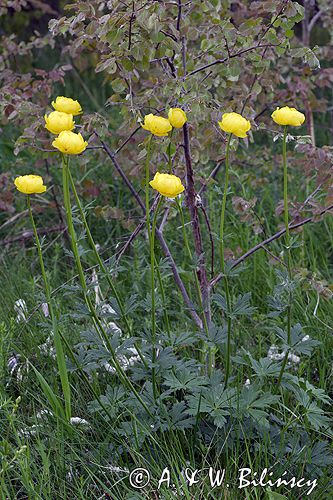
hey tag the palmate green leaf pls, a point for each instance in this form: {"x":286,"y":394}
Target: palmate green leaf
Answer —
{"x":177,"y":418}
{"x":180,"y":339}
{"x":216,"y":401}
{"x":254,"y":403}
{"x":264,"y":367}
{"x":242,"y":306}
{"x":316,"y":417}
{"x":184,"y":380}
{"x":321,"y":454}
{"x":216,"y":336}
{"x":298,"y":344}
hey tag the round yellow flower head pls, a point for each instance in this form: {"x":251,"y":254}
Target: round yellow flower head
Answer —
{"x":30,"y":184}
{"x":177,"y":117}
{"x":288,"y":116}
{"x":57,"y":121}
{"x":70,"y":143}
{"x":167,"y":185}
{"x":157,"y":125}
{"x":67,"y":105}
{"x":234,"y":123}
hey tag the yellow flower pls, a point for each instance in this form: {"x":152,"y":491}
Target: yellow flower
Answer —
{"x":70,"y":143}
{"x":234,"y":123}
{"x":177,"y":117}
{"x":57,"y":121}
{"x":67,"y":105}
{"x":288,"y":116}
{"x":167,"y":185}
{"x":157,"y":125}
{"x":30,"y":184}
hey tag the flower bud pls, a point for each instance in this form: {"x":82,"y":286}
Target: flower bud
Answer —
{"x":234,"y":123}
{"x":70,"y":143}
{"x":67,"y":105}
{"x":157,"y":125}
{"x":57,"y":121}
{"x":30,"y":184}
{"x":288,"y":116}
{"x":167,"y":185}
{"x":177,"y":117}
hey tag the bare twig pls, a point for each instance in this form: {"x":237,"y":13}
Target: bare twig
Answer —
{"x":26,"y":235}
{"x":225,"y":59}
{"x":269,"y":240}
{"x":191,"y":201}
{"x":210,"y":238}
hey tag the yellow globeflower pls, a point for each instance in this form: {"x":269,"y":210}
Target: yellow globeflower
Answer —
{"x":67,"y":105}
{"x":177,"y":117}
{"x":234,"y":123}
{"x":157,"y":125}
{"x":30,"y":184}
{"x":57,"y":121}
{"x":167,"y":185}
{"x":70,"y":143}
{"x":288,"y":116}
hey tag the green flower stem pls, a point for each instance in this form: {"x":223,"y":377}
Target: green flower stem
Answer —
{"x":161,"y":286}
{"x":288,"y":253}
{"x":169,"y":152}
{"x":226,"y":281}
{"x":151,"y":237}
{"x":148,"y":155}
{"x":153,"y":303}
{"x":61,"y":361}
{"x":203,"y":348}
{"x":102,"y":266}
{"x":99,"y":327}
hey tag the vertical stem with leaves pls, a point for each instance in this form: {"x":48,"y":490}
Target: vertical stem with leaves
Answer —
{"x":151,"y":237}
{"x":288,"y":253}
{"x":98,"y":325}
{"x":61,"y":361}
{"x":222,"y":261}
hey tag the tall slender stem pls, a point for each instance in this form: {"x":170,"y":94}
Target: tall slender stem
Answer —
{"x":102,"y":266}
{"x":288,"y":253}
{"x":153,"y":302}
{"x":226,"y":281}
{"x":151,"y":237}
{"x":61,"y":361}
{"x":99,"y":327}
{"x":210,"y":360}
{"x":169,"y":152}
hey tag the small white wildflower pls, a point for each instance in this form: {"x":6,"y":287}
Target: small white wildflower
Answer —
{"x":45,"y":309}
{"x":113,"y":327}
{"x":273,"y":353}
{"x":13,"y":363}
{"x":79,"y":421}
{"x":247,"y":382}
{"x":107,"y":309}
{"x":117,"y":470}
{"x":41,"y":413}
{"x":124,"y":362}
{"x":305,"y":338}
{"x":293,"y":358}
{"x":28,"y":431}
{"x":47,"y":349}
{"x":20,"y":307}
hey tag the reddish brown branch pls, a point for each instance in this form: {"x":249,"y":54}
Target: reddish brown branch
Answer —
{"x":269,"y":240}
